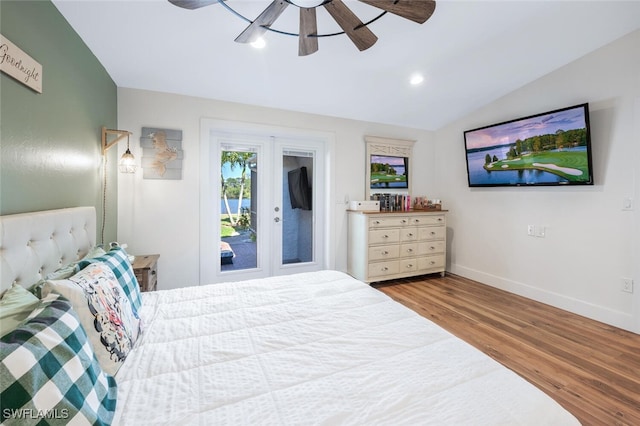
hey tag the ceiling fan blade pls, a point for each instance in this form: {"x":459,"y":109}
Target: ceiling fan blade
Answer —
{"x":192,"y":4}
{"x":308,"y":28}
{"x":359,"y":34}
{"x":416,"y":10}
{"x":265,"y":19}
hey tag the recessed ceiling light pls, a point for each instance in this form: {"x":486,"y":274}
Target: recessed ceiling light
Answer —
{"x":259,"y":43}
{"x":416,"y":79}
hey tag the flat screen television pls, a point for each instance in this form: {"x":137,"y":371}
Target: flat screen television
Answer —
{"x":551,"y":148}
{"x":389,"y":171}
{"x":299,"y":189}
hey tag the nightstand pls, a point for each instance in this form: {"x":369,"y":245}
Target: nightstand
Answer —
{"x":145,"y":267}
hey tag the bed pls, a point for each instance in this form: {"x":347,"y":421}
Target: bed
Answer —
{"x":313,"y":348}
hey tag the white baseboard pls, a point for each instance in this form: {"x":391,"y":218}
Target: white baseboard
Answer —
{"x":599,"y":313}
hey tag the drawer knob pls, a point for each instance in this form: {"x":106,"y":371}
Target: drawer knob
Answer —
{"x":376,"y":222}
{"x":410,"y":234}
{"x":404,"y":220}
{"x":433,"y":233}
{"x":432,"y":248}
{"x":410,"y":250}
{"x":385,"y":236}
{"x":384,"y":252}
{"x":409,"y":266}
{"x":385,"y":269}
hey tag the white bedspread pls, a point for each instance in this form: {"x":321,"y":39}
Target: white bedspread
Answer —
{"x":318,"y":348}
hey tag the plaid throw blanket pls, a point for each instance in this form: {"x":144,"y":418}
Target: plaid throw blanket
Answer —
{"x":49,"y":373}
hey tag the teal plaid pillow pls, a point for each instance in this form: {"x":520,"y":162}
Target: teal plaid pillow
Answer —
{"x":118,"y":261}
{"x":49,"y":373}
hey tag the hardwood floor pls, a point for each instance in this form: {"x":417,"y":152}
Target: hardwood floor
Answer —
{"x":590,"y":368}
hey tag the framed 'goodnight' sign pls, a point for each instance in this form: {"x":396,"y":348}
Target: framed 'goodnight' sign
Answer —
{"x":17,"y":64}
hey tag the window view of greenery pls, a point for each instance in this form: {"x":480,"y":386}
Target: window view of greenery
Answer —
{"x":236,"y":192}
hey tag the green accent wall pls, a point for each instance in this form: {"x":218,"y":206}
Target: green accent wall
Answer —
{"x":50,"y":143}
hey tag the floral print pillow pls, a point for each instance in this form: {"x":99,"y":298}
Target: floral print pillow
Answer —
{"x":105,"y":312}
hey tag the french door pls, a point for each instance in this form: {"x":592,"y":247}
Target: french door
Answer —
{"x":263,"y":206}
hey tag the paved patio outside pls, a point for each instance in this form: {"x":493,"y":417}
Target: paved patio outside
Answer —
{"x":244,"y":252}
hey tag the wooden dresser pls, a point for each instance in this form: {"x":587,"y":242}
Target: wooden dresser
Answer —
{"x":145,"y":267}
{"x":385,"y":246}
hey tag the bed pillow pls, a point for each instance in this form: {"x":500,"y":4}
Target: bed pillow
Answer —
{"x":16,"y":305}
{"x":104,"y":311}
{"x":73,"y":268}
{"x":65,"y":272}
{"x":48,"y":371}
{"x":118,"y":261}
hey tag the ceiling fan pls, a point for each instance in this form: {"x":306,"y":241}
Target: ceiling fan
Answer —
{"x":359,"y":33}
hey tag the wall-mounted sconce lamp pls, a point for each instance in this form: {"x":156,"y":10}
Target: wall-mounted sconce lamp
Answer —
{"x":127,"y":163}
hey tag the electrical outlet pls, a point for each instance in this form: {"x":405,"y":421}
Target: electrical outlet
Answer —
{"x":627,"y":285}
{"x":541,"y":231}
{"x":531,"y":230}
{"x":627,"y":204}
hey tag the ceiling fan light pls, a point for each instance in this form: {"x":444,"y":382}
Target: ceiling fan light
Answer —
{"x":416,"y":79}
{"x":259,"y":43}
{"x":359,"y":33}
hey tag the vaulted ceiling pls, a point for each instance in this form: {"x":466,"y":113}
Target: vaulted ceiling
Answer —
{"x":469,"y":52}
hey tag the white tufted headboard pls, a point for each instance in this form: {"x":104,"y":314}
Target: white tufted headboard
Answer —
{"x":35,"y":244}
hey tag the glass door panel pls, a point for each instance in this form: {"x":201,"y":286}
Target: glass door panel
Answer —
{"x":297,"y":208}
{"x":238,"y":209}
{"x":298,"y":243}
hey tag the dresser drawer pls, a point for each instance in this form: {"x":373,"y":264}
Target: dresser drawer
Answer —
{"x":384,"y":252}
{"x":380,"y":269}
{"x":409,"y":234}
{"x":428,"y":220}
{"x":409,"y":249}
{"x":432,"y":233}
{"x":386,"y":222}
{"x":431,"y":247}
{"x":409,"y":265}
{"x":431,"y":262}
{"x":383,"y":236}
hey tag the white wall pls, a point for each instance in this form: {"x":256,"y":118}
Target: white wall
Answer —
{"x":590,"y":241}
{"x":162,"y":216}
